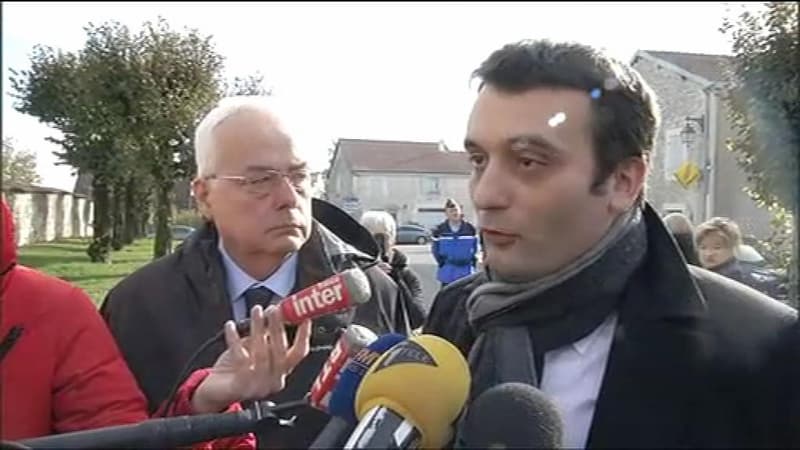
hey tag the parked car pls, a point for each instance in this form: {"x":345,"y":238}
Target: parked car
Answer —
{"x":760,"y":270}
{"x":413,"y":234}
{"x":179,"y":232}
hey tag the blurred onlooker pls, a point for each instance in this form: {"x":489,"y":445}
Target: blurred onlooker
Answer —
{"x":717,"y":240}
{"x":383,"y":228}
{"x":682,"y":230}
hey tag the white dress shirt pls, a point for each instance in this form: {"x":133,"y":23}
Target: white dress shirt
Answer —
{"x":572,"y":378}
{"x":238,"y":281}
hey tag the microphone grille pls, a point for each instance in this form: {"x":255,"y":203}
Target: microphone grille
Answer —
{"x":512,"y":415}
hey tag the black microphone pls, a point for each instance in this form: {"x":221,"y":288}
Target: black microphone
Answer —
{"x":512,"y":415}
{"x":170,"y":432}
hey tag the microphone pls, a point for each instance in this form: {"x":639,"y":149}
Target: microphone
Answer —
{"x":512,"y":415}
{"x":411,"y":396}
{"x":339,"y":292}
{"x":353,"y":340}
{"x":343,"y":397}
{"x":340,"y":406}
{"x":170,"y":432}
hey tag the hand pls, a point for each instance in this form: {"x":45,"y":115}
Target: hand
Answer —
{"x":252,"y":367}
{"x":386,"y":267}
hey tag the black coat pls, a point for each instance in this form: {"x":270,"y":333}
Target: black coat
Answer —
{"x":163,"y":312}
{"x":697,"y":360}
{"x":408,"y":281}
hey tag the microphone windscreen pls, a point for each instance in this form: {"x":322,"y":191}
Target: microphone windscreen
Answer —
{"x":357,"y":284}
{"x":344,"y":394}
{"x":424,"y":379}
{"x":512,"y":415}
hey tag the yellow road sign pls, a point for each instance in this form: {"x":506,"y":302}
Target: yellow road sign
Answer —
{"x":687,"y":174}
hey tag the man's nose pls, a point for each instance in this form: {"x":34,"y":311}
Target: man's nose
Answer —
{"x":490,"y":189}
{"x":284,"y":194}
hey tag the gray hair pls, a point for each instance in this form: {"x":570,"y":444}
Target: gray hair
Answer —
{"x":204,"y":151}
{"x":380,"y":222}
{"x":678,"y":223}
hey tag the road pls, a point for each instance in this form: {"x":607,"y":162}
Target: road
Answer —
{"x":421,"y":260}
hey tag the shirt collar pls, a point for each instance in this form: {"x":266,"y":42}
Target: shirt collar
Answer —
{"x":238,"y":281}
{"x":584,"y":345}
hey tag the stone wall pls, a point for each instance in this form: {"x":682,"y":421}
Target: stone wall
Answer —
{"x":42,"y":215}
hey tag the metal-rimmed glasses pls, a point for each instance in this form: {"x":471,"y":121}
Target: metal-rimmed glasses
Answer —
{"x":267,"y":181}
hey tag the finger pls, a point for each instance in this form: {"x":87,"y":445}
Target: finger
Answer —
{"x":258,"y":342}
{"x":277,"y":347}
{"x":234,"y":341}
{"x":277,"y":328}
{"x":301,"y":345}
{"x":257,"y":326}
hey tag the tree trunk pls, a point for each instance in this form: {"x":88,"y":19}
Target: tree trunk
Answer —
{"x":100,"y":248}
{"x":131,"y":213}
{"x":118,"y":207}
{"x":163,"y":242}
{"x":144,"y":217}
{"x":794,"y":266}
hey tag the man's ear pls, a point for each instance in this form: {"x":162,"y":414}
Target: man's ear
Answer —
{"x":200,"y":193}
{"x":627,"y":183}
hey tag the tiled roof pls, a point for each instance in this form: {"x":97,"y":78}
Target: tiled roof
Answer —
{"x":710,"y":67}
{"x":366,"y":155}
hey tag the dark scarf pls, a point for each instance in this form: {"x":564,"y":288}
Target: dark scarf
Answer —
{"x":517,"y":322}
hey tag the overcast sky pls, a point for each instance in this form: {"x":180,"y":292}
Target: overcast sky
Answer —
{"x":381,"y":70}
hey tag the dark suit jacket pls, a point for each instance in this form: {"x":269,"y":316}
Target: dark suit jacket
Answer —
{"x":697,"y":360}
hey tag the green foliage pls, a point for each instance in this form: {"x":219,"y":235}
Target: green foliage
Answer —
{"x":763,"y":99}
{"x":181,"y":83}
{"x":249,"y":85}
{"x":19,"y":166}
{"x":777,"y":247}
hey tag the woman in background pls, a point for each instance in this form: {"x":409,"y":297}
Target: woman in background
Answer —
{"x":395,"y":263}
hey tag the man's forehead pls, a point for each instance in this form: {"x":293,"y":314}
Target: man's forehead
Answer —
{"x":530,"y":117}
{"x":545,"y":107}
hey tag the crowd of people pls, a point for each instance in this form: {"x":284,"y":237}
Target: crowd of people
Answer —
{"x":583,"y":292}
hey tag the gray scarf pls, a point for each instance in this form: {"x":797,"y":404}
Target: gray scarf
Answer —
{"x":514,"y":322}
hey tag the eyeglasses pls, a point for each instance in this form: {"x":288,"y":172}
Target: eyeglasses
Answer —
{"x":268,"y":180}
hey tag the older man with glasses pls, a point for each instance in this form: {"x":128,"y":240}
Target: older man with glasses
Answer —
{"x":261,"y":243}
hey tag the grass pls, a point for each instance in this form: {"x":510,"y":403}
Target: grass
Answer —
{"x":67,"y":259}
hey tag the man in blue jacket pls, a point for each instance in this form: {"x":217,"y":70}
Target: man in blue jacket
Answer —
{"x":455,"y":245}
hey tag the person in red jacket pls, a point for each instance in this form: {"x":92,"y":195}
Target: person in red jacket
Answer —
{"x":61,"y":371}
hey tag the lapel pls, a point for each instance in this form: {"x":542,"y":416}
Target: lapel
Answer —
{"x":211,"y":306}
{"x":654,"y":371}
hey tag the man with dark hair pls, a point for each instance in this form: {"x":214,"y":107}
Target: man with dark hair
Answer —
{"x":584,"y":293}
{"x":455,"y":245}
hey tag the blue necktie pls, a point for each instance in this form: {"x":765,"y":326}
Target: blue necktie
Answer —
{"x":258,"y":296}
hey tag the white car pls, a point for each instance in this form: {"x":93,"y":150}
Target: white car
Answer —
{"x":748,"y":254}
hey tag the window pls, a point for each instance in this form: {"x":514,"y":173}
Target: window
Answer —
{"x":675,"y":153}
{"x":430,"y":186}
